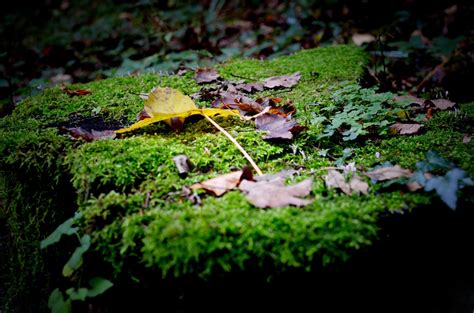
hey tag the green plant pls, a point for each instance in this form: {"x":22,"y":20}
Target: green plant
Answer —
{"x":98,"y":285}
{"x":359,"y":111}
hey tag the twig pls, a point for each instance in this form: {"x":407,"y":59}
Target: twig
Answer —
{"x":246,"y":155}
{"x":431,"y":74}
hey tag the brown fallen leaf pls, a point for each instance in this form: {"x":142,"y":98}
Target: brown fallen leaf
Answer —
{"x":206,"y":75}
{"x":337,"y":180}
{"x":274,"y":194}
{"x":279,"y":127}
{"x":244,"y":104}
{"x":390,"y":172}
{"x":286,"y":81}
{"x":410,"y":100}
{"x":360,"y":39}
{"x":443,"y":104}
{"x":75,"y":92}
{"x":405,"y":129}
{"x":220,"y":184}
{"x":249,"y":87}
{"x":80,"y":133}
{"x":281,"y":174}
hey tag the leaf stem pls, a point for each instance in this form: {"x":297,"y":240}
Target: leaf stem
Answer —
{"x":246,"y":155}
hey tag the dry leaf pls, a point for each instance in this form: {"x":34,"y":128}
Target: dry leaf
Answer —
{"x":411,"y":100}
{"x":171,"y":106}
{"x":220,"y":184}
{"x":279,"y":127}
{"x":274,"y":194}
{"x":81,"y":133}
{"x":390,"y":172}
{"x":281,"y":174}
{"x":282,"y":81}
{"x":405,"y":129}
{"x":76,"y":92}
{"x":244,"y":104}
{"x":250,"y":87}
{"x":206,"y":75}
{"x":337,"y":180}
{"x":443,"y":104}
{"x":358,"y":185}
{"x":360,"y":39}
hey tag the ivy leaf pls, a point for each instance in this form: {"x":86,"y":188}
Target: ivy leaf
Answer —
{"x":57,"y":304}
{"x":173,"y":107}
{"x":79,"y":294}
{"x":76,"y":258}
{"x":98,"y":286}
{"x":447,"y":186}
{"x":63,"y":229}
{"x":433,"y":162}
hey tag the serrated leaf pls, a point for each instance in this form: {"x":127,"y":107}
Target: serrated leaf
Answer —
{"x":167,"y":104}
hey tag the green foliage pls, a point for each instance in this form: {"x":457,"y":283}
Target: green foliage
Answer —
{"x":76,"y":258}
{"x":63,"y":229}
{"x":130,"y":194}
{"x":58,"y":304}
{"x":358,"y":111}
{"x":446,"y":186}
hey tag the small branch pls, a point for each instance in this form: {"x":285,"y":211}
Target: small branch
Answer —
{"x":430,"y":75}
{"x":246,"y":155}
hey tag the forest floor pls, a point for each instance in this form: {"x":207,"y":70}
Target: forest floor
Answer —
{"x":423,"y":47}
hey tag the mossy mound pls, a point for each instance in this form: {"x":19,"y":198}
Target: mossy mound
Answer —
{"x":129,"y":191}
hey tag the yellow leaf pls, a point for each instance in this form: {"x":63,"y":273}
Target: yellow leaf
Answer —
{"x":164,"y":104}
{"x":167,"y":101}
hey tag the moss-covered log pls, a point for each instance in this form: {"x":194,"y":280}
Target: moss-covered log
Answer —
{"x":129,"y":192}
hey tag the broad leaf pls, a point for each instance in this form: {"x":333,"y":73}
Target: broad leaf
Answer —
{"x":389,"y":172}
{"x":337,"y":180}
{"x":447,"y":186}
{"x":98,"y":286}
{"x":206,"y":75}
{"x":76,"y":258}
{"x":274,"y":194}
{"x":63,"y":229}
{"x":282,"y":81}
{"x":171,"y":106}
{"x":220,"y":184}
{"x":57,"y":304}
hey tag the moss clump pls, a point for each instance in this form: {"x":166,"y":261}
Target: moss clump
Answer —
{"x":131,"y":196}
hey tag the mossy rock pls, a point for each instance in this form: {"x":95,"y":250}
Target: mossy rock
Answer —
{"x":129,"y":192}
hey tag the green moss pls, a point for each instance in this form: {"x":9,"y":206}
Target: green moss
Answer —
{"x":131,"y":196}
